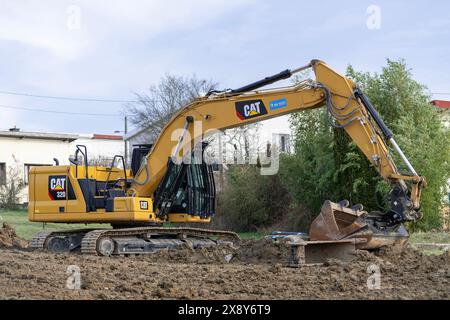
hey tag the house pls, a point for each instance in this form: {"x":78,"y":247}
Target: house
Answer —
{"x":443,"y":107}
{"x":21,"y":150}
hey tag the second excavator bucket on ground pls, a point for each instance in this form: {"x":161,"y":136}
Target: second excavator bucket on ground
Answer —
{"x":336,"y":222}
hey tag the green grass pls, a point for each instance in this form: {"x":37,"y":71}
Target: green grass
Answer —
{"x":430,"y":237}
{"x":432,"y":252}
{"x":25,"y":229}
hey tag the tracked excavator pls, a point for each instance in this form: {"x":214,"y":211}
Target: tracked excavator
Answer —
{"x":167,"y":183}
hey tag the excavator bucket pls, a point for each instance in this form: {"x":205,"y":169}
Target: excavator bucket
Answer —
{"x":336,"y":222}
{"x":331,"y":235}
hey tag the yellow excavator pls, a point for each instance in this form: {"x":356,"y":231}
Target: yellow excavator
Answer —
{"x":169,"y":182}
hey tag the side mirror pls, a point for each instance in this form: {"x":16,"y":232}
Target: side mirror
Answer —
{"x":74,"y":161}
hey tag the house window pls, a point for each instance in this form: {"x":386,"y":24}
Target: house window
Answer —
{"x":27,"y":168}
{"x":283,"y":144}
{"x":2,"y":174}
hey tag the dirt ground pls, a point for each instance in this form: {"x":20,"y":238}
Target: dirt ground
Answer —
{"x":9,"y":238}
{"x":256,"y":271}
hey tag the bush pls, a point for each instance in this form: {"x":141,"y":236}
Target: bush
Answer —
{"x":251,"y":202}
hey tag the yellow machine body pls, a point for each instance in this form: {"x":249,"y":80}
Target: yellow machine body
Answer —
{"x":57,"y":196}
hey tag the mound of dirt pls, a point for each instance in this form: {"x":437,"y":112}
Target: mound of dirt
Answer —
{"x":255,"y":270}
{"x":9,"y":238}
{"x":263,"y":251}
{"x":222,"y":253}
{"x":405,"y":256}
{"x":204,"y":274}
{"x":248,"y":251}
{"x":274,"y":254}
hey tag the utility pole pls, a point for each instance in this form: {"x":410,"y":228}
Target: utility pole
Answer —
{"x":221,"y":162}
{"x":125,"y":141}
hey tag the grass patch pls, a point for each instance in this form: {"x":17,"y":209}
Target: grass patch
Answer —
{"x":430,"y":237}
{"x":26,"y":229}
{"x":431,"y":252}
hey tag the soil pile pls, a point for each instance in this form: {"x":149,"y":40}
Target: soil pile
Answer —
{"x":255,"y":270}
{"x":222,"y":253}
{"x":262,"y":251}
{"x":9,"y":238}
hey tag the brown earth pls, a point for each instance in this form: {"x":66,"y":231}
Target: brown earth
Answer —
{"x":9,"y":238}
{"x":255,"y":271}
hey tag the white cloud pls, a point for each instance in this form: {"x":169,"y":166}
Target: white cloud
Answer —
{"x":47,"y":25}
{"x":43,"y":27}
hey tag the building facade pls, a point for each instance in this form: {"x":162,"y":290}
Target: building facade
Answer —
{"x":443,"y":108}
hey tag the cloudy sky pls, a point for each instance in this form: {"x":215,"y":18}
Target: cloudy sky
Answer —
{"x":110,"y":49}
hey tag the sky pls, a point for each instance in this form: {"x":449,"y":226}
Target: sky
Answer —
{"x":110,"y":49}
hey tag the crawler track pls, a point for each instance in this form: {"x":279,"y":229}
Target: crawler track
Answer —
{"x":90,"y":238}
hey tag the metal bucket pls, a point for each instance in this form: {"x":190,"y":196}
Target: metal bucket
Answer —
{"x":337,"y":221}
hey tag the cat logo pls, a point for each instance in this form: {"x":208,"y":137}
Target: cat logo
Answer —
{"x":143,"y":205}
{"x":250,"y":109}
{"x":57,"y":187}
{"x":57,"y":184}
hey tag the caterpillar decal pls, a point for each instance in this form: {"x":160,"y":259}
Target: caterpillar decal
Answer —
{"x":59,"y":188}
{"x":250,"y":109}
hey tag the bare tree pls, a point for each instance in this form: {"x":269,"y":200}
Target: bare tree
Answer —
{"x":245,"y":142}
{"x":10,"y":191}
{"x":153,"y":109}
{"x":102,"y":161}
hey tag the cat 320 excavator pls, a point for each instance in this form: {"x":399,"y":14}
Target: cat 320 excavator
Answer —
{"x":169,"y":181}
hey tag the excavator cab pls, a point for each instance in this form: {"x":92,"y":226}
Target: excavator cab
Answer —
{"x":138,"y":154}
{"x":187,"y":188}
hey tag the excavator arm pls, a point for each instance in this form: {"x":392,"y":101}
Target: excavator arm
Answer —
{"x":349,"y":108}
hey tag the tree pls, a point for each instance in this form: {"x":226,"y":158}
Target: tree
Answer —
{"x":244,"y":142}
{"x":336,"y":169}
{"x":251,"y":201}
{"x":103,"y":161}
{"x":154,"y":109}
{"x":10,"y":191}
{"x":308,"y":172}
